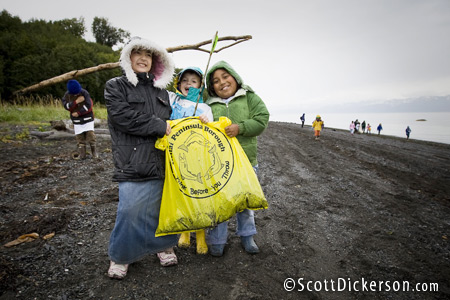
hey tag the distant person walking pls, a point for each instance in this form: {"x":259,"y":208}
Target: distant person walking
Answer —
{"x":379,"y":128}
{"x":352,"y":128}
{"x":357,"y":124}
{"x":302,"y":118}
{"x":363,"y":126}
{"x":369,"y":129}
{"x":317,"y":126}
{"x":408,"y":132}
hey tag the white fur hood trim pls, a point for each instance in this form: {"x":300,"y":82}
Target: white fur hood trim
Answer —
{"x":163,"y":66}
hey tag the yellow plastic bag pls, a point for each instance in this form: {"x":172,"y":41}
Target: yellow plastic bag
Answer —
{"x":208,"y":177}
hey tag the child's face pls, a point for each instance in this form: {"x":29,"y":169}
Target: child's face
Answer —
{"x":189,"y":80}
{"x":224,"y":84}
{"x":141,"y":60}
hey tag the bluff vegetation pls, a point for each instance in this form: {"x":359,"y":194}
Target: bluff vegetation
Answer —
{"x":37,"y":50}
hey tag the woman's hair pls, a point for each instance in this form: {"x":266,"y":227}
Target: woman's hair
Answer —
{"x":137,"y":48}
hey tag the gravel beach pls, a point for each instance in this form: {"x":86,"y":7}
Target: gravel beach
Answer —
{"x":349,"y":217}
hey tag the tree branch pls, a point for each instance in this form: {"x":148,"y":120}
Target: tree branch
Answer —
{"x":107,"y":66}
{"x":198,"y":46}
{"x":66,"y":76}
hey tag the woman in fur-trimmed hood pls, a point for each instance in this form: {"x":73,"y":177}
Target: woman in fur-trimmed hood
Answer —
{"x":138,"y":107}
{"x":162,"y":65}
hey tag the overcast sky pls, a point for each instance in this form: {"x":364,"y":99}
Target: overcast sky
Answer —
{"x":304,"y":53}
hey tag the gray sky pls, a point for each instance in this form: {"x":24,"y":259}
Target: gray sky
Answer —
{"x":304,"y":53}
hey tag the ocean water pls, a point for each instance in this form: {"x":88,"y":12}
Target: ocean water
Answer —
{"x":436,"y":128}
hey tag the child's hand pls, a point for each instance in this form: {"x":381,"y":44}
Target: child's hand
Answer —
{"x":204,"y":118}
{"x":168,"y":129}
{"x":75,"y":114}
{"x":232,"y":130}
{"x":79,"y":99}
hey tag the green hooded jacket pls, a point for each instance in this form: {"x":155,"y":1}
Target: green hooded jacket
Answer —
{"x":245,"y":109}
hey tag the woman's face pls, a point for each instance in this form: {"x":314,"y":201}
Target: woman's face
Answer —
{"x":141,"y":60}
{"x":224,"y":84}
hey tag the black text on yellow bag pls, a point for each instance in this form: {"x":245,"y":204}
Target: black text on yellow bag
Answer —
{"x":208,"y":177}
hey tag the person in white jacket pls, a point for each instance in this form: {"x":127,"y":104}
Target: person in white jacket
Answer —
{"x":188,"y":102}
{"x":188,"y":92}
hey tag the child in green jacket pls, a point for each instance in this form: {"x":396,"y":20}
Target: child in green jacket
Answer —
{"x":230,"y":97}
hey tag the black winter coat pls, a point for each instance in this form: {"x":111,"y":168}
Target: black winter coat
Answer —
{"x":136,"y":118}
{"x":84,"y":109}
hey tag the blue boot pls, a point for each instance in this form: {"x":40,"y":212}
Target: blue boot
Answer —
{"x":216,"y":249}
{"x":249,"y":244}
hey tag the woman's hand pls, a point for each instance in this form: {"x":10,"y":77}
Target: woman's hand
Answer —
{"x":232,"y":130}
{"x":168,"y":129}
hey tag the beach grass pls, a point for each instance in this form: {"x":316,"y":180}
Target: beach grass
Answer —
{"x":37,"y":110}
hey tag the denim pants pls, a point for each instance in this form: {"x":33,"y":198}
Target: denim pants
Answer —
{"x":245,"y":226}
{"x":137,"y":218}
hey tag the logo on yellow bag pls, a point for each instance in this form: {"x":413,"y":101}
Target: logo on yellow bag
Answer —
{"x":201,"y":159}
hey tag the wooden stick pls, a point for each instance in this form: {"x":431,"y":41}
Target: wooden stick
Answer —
{"x":77,"y":73}
{"x":66,"y":76}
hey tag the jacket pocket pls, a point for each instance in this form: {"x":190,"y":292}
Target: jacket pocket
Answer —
{"x":136,"y":102}
{"x":146,"y":161}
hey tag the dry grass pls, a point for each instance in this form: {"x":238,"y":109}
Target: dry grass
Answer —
{"x":35,"y":109}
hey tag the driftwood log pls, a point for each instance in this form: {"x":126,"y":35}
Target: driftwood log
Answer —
{"x":77,"y":73}
{"x":40,"y":134}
